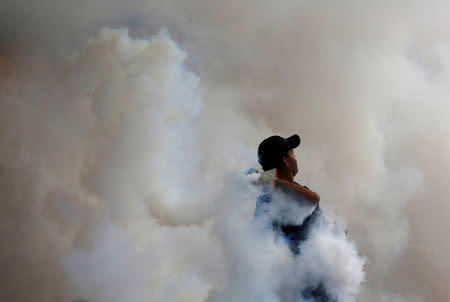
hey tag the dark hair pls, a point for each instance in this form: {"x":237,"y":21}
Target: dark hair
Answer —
{"x":280,"y":163}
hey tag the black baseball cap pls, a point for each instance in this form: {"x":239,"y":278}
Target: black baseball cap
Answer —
{"x":272,"y":150}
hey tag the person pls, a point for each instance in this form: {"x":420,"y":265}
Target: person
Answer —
{"x":277,"y":153}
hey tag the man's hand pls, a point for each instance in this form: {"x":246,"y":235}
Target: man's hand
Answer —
{"x":299,"y":190}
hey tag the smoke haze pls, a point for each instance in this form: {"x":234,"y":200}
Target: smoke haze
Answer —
{"x":123,"y":151}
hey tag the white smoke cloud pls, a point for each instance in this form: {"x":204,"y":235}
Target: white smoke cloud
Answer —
{"x":365,"y":86}
{"x":138,"y":211}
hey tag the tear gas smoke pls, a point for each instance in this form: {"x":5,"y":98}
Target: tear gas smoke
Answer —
{"x":121,"y":167}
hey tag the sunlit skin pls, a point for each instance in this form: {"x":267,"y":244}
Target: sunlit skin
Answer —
{"x":284,"y":177}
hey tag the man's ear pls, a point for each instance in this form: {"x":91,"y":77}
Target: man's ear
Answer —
{"x":285,"y":160}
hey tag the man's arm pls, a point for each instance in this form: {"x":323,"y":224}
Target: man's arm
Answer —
{"x":299,"y":190}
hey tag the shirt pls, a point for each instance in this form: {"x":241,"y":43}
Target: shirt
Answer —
{"x":294,"y":234}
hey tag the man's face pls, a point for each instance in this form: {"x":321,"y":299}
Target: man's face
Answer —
{"x":291,"y":162}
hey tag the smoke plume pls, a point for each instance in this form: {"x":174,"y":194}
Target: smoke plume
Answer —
{"x":123,"y":150}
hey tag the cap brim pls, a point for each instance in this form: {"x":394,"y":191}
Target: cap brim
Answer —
{"x":293,"y":141}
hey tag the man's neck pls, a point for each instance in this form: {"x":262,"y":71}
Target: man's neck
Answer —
{"x":284,"y":174}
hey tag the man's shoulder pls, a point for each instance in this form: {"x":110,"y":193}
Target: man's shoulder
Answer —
{"x":301,"y":185}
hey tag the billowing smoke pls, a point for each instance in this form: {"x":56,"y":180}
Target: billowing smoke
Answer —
{"x":122,"y":166}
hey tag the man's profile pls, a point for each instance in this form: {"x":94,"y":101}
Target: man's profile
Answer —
{"x":277,"y":153}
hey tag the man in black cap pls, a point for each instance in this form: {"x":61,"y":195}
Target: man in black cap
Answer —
{"x":277,"y":153}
